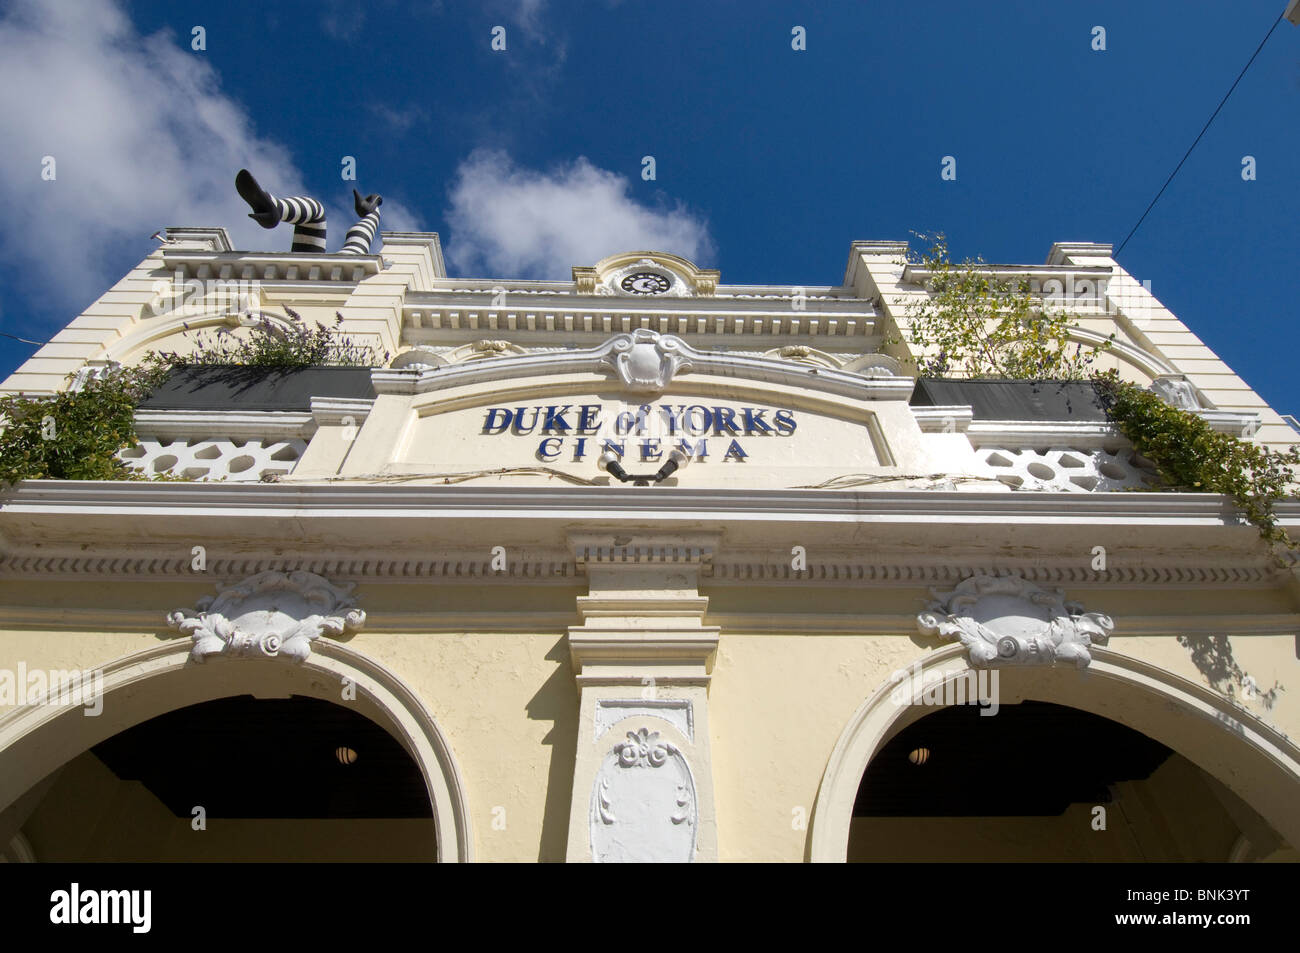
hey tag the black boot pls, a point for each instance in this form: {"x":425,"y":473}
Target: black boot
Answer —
{"x":365,"y":205}
{"x":266,"y":211}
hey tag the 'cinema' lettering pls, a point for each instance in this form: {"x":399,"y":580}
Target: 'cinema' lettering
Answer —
{"x":648,"y":431}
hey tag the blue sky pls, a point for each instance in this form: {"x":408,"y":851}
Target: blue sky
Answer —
{"x":768,"y":161}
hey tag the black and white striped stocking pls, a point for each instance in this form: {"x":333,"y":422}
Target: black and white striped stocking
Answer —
{"x":307,"y":216}
{"x":361,"y":235}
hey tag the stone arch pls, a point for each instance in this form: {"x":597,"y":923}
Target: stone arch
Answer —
{"x":1258,"y":763}
{"x":1124,"y":353}
{"x":149,"y":335}
{"x":37,"y":739}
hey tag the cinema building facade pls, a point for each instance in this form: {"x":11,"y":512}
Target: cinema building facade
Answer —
{"x":636,"y":566}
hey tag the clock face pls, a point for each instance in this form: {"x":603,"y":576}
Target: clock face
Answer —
{"x":645,"y":283}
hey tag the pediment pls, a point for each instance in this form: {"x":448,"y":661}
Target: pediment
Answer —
{"x":645,"y":274}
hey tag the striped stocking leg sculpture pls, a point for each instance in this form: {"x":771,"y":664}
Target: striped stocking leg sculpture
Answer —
{"x":362,"y":233}
{"x":307,"y":216}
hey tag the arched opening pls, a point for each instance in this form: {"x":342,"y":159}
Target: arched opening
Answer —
{"x":331,"y":759}
{"x":1251,"y":769}
{"x":239,"y":779}
{"x":1036,"y":781}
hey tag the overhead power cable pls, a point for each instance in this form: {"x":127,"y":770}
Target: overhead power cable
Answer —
{"x":1134,"y":229}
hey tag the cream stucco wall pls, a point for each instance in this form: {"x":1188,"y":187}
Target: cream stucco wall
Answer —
{"x":691,"y":583}
{"x":778,"y":700}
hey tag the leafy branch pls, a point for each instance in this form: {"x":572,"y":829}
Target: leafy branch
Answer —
{"x":974,"y":323}
{"x":271,"y":343}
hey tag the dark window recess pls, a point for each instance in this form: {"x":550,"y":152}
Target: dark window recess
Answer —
{"x":224,"y":387}
{"x":1033,"y":759}
{"x":1014,"y":400}
{"x":269,"y":758}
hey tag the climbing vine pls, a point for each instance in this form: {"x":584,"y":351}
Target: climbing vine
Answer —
{"x":976,"y":324}
{"x":77,"y":434}
{"x":1191,"y":455}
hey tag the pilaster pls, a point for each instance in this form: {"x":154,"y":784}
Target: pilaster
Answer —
{"x":643,"y":775}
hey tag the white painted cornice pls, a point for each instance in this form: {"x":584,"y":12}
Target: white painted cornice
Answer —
{"x":1061,"y":251}
{"x":429,"y":240}
{"x":61,"y":618}
{"x":946,"y":418}
{"x":760,"y":320}
{"x":594,"y":360}
{"x":473,"y":289}
{"x":210,"y":238}
{"x":890,"y":570}
{"x":643,"y":550}
{"x":894,"y":251}
{"x":733,"y":300}
{"x":198,"y":424}
{"x":465,"y":565}
{"x":606,"y":656}
{"x":412,"y":534}
{"x":1131,"y":626}
{"x":337,"y":499}
{"x":1230,"y":422}
{"x":260,"y":266}
{"x":920,"y":275}
{"x":1014,"y":434}
{"x":340,"y":410}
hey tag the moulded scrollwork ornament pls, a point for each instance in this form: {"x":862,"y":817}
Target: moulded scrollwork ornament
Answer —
{"x":874,"y":365}
{"x":1177,"y":391}
{"x":646,"y":360}
{"x":643,"y":748}
{"x":269,"y":615}
{"x":92,"y":371}
{"x":1006,"y":620}
{"x":644,"y":804}
{"x":418,"y":358}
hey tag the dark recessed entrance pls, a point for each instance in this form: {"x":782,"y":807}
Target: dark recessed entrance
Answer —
{"x":1031,"y":759}
{"x":237,"y":779}
{"x":1041,"y":782}
{"x":266,"y":758}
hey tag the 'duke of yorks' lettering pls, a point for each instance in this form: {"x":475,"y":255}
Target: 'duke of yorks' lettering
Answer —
{"x":690,"y":424}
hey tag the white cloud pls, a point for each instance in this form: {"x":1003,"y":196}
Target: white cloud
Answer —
{"x":142,"y":136}
{"x":510,"y":222}
{"x":529,"y":13}
{"x":343,"y":19}
{"x":393,"y":218}
{"x":398,"y":121}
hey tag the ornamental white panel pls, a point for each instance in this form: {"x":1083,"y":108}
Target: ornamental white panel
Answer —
{"x":215,"y":459}
{"x":643,"y":804}
{"x":1066,"y":469}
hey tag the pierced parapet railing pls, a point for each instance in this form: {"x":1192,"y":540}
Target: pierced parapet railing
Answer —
{"x":1065,"y":469}
{"x":215,"y":459}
